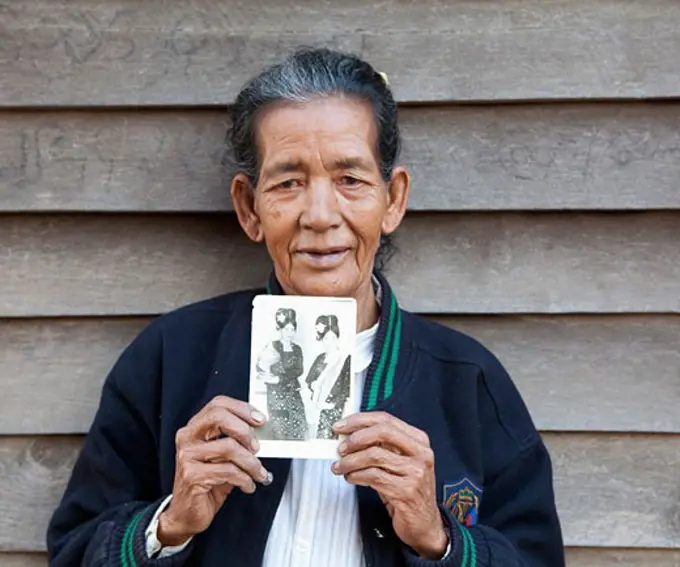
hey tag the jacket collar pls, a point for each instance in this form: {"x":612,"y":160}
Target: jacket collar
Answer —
{"x":385,"y":366}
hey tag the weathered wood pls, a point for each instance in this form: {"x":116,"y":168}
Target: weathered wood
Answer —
{"x":448,"y":263}
{"x":98,"y":52}
{"x":23,"y":559}
{"x":629,"y":485}
{"x":564,"y":156}
{"x":576,"y":557}
{"x":35,"y":470}
{"x":51,"y":371}
{"x":630,"y":481}
{"x":558,"y":366}
{"x":594,"y":557}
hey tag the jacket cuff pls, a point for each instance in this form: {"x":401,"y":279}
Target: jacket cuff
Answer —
{"x":129,"y":543}
{"x":467,"y":547}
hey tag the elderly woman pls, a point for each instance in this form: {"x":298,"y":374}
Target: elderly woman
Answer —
{"x":328,"y":379}
{"x":279,"y":367}
{"x":441,"y":463}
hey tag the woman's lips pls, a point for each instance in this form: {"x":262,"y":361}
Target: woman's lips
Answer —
{"x":324,"y":259}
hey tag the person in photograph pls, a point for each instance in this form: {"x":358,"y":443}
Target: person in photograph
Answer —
{"x":280,"y":366}
{"x":329,"y":378}
{"x":438,"y":462}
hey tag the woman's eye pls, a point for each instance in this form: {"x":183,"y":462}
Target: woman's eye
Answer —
{"x":288,"y":184}
{"x":349,"y":181}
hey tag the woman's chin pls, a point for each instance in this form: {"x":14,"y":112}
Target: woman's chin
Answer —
{"x":325,"y":284}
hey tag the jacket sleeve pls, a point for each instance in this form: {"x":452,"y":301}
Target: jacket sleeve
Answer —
{"x":114,"y":488}
{"x":519,"y":526}
{"x":517,"y":523}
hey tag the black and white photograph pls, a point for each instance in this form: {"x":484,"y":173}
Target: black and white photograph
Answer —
{"x":301,"y":372}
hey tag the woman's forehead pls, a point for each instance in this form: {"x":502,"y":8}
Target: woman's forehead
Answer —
{"x":339,"y":131}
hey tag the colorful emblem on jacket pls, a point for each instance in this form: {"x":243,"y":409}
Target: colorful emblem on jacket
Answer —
{"x":462,"y":500}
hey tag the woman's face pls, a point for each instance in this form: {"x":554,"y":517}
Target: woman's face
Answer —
{"x":329,"y":341}
{"x":320,"y":203}
{"x":288,"y":332}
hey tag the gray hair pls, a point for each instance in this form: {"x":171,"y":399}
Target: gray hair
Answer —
{"x":304,"y":76}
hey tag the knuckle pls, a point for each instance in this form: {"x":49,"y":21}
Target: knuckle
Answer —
{"x":182,"y":455}
{"x":189,"y":476}
{"x":241,"y":428}
{"x":428,"y":458}
{"x":383,"y":430}
{"x":377,"y":475}
{"x":219,"y":400}
{"x":377,"y":454}
{"x":214,"y":414}
{"x":358,"y":439}
{"x":231,"y":470}
{"x":230,"y":445}
{"x":410,"y":491}
{"x":180,"y":437}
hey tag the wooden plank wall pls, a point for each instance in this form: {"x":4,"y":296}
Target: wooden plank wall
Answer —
{"x":545,"y":220}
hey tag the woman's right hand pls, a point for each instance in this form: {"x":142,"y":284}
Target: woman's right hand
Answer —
{"x":215,"y":453}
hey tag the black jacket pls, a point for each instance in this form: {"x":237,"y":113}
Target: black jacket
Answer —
{"x":493,"y":473}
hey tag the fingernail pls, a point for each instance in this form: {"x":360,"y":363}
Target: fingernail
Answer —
{"x":342,"y":448}
{"x":257,"y":416}
{"x":268,"y":480}
{"x":335,"y":466}
{"x":340,"y":424}
{"x":264,"y":474}
{"x":255,"y":445}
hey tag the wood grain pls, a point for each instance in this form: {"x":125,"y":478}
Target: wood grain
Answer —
{"x":97,"y":52}
{"x":23,"y":559}
{"x":576,"y":557}
{"x":52,"y":370}
{"x":532,"y":157}
{"x":447,"y":263}
{"x":589,"y":373}
{"x":629,"y":485}
{"x":593,"y":557}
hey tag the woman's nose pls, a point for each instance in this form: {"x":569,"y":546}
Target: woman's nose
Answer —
{"x":321,"y":208}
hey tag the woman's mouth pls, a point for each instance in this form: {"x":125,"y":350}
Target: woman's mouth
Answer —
{"x":324,"y":259}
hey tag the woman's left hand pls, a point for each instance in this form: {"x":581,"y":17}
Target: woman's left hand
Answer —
{"x":396,"y":460}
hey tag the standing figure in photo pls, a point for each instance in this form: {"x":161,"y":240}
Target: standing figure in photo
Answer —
{"x":279,"y":366}
{"x":328,"y":378}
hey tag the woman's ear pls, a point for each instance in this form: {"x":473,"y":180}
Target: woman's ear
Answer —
{"x":397,"y":194}
{"x":243,"y":197}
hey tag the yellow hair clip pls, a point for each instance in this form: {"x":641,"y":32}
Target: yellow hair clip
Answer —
{"x":384,"y":78}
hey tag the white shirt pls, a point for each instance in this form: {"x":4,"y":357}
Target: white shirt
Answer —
{"x":317,"y":521}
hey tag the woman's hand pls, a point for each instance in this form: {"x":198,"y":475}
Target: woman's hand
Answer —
{"x":215,"y":453}
{"x":395,"y":459}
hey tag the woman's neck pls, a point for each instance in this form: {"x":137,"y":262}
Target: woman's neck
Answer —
{"x":368,"y":311}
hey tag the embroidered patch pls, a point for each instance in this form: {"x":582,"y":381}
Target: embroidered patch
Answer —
{"x":462,"y":500}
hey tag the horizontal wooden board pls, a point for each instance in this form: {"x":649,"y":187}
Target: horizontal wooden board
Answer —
{"x":23,"y":559}
{"x":51,"y":371}
{"x":563,"y":156}
{"x":628,"y":484}
{"x":583,"y":373}
{"x":595,"y":557}
{"x":575,"y":558}
{"x":120,"y":52}
{"x":447,"y":263}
